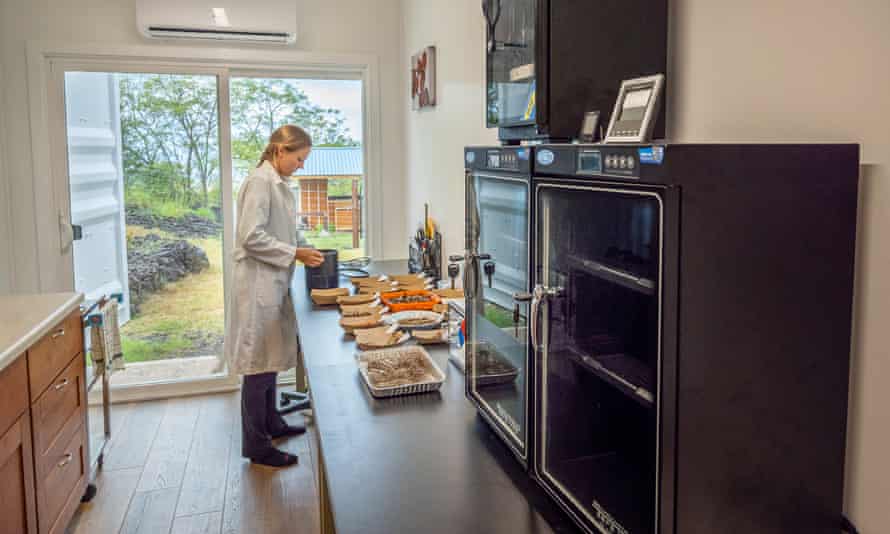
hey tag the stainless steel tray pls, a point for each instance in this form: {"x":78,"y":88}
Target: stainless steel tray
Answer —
{"x":405,"y":389}
{"x":510,"y":374}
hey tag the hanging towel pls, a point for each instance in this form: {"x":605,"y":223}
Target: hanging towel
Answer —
{"x":106,"y":340}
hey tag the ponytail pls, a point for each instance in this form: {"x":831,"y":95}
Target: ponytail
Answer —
{"x":288,"y":137}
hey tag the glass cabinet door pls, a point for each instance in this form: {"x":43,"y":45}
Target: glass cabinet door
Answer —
{"x":599,"y":258}
{"x":511,"y":61}
{"x":497,"y":348}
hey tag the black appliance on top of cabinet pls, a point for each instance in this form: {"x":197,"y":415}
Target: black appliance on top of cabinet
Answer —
{"x":496,"y":286}
{"x":550,"y":61}
{"x":692,"y":316}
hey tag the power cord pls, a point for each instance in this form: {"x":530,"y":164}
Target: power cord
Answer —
{"x":848,"y":526}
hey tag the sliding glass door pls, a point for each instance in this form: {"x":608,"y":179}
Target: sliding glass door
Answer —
{"x":152,"y":158}
{"x":145,"y":195}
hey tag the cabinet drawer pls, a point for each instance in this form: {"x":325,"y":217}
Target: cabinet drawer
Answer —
{"x":64,"y":398}
{"x":61,"y":483}
{"x":51,"y":354}
{"x":13,"y":392}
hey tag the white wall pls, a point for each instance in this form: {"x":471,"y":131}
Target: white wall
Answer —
{"x":356,"y":26}
{"x":435,"y":137}
{"x":796,"y":70}
{"x":804,"y":70}
{"x":6,"y":274}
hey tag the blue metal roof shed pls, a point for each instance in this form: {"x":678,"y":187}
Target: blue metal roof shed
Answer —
{"x":333,"y":161}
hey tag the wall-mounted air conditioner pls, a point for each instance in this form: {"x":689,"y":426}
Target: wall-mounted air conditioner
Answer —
{"x":255,"y":21}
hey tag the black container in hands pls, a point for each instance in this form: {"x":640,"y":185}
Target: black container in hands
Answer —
{"x":326,"y":275}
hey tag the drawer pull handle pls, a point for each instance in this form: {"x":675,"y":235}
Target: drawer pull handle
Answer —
{"x":59,"y":333}
{"x":61,"y":384}
{"x":66,"y":460}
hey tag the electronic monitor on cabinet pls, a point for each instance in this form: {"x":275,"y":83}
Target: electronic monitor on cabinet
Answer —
{"x":635,"y":110}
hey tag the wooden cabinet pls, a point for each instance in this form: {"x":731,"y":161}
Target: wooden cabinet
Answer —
{"x":56,"y":368}
{"x":18,"y":512}
{"x":17,"y":507}
{"x":44,"y":460}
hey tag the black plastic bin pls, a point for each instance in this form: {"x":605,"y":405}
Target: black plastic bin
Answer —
{"x":326,"y":275}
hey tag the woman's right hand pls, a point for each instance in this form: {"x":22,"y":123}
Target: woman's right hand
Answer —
{"x":309,"y":257}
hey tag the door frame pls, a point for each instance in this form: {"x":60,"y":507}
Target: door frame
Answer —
{"x":47,"y":63}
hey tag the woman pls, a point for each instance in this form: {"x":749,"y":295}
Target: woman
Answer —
{"x":262,"y":330}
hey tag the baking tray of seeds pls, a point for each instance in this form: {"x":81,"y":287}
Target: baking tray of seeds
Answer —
{"x":491,"y":367}
{"x":398,"y":371}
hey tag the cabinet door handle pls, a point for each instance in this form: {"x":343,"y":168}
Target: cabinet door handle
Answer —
{"x":59,"y":333}
{"x":61,"y":384}
{"x":66,"y":460}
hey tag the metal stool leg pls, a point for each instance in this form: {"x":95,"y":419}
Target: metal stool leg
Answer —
{"x":301,"y":401}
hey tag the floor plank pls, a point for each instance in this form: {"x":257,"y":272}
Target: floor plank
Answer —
{"x":151,"y":512}
{"x":211,"y":488}
{"x":273,"y":501}
{"x":166,"y":462}
{"x":204,"y":483}
{"x":198,"y":524}
{"x":130,"y":445}
{"x":106,"y":512}
{"x":119,"y":414}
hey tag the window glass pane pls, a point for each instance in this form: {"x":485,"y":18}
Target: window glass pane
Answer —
{"x":330,"y":189}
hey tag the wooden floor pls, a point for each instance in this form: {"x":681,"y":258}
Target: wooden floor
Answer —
{"x":175,"y":466}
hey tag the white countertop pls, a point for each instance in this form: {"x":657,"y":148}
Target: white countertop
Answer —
{"x":24,"y":319}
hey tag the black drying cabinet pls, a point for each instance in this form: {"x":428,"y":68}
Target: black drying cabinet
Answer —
{"x":692,"y":316}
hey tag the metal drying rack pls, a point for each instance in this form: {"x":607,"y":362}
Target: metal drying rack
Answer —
{"x":92,"y":319}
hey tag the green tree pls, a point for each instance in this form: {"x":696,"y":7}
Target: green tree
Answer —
{"x":170,"y":131}
{"x":261,"y":105}
{"x":169,"y":128}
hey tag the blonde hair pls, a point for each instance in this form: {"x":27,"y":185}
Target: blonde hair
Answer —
{"x":288,"y":137}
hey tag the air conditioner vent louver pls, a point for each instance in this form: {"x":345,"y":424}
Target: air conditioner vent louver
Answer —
{"x":198,"y":33}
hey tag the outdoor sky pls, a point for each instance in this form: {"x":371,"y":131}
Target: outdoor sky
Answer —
{"x":345,"y":95}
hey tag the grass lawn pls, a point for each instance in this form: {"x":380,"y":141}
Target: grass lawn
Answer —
{"x":189,"y":313}
{"x":499,"y":316}
{"x":172,"y":320}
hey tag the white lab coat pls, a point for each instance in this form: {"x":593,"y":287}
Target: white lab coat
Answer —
{"x":261,"y":331}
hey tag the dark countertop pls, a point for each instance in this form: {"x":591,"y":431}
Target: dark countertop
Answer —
{"x":421,"y":463}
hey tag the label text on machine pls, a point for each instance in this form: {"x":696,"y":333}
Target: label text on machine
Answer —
{"x":606,"y":520}
{"x":514,"y":426}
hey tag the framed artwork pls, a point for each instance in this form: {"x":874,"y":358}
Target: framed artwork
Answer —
{"x":423,"y":78}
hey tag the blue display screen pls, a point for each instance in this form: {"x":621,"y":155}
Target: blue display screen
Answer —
{"x":590,"y":162}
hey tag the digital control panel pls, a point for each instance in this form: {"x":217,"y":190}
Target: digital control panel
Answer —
{"x":596,"y":161}
{"x":513,"y":159}
{"x":502,"y":159}
{"x":620,"y":162}
{"x":590,"y":162}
